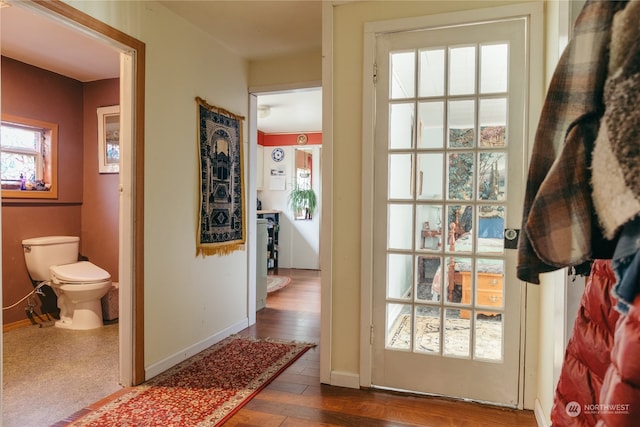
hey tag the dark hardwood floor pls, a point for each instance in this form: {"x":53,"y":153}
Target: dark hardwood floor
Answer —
{"x":296,"y":397}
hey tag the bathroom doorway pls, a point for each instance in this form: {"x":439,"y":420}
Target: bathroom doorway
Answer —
{"x":130,"y":187}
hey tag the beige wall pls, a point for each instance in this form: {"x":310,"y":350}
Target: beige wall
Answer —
{"x":286,"y":71}
{"x":188,"y":299}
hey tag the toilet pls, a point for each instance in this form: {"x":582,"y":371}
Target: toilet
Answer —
{"x":79,"y":285}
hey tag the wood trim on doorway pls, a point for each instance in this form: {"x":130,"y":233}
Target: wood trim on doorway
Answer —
{"x":68,"y":12}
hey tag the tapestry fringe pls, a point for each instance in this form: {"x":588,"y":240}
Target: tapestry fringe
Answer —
{"x":218,"y":250}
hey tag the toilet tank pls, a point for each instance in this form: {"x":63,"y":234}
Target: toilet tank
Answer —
{"x":40,"y":253}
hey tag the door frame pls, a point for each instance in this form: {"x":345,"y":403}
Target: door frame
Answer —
{"x":131,"y":217}
{"x":534,"y":11}
{"x":326,"y":231}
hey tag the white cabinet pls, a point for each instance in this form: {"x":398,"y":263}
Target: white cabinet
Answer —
{"x":261,"y":264}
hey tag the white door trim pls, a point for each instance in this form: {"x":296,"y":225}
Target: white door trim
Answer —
{"x":252,"y":206}
{"x":534,"y":11}
{"x":326,"y":228}
{"x":126,"y":267}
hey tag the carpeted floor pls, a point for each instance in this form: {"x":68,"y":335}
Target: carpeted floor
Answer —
{"x":204,"y":390}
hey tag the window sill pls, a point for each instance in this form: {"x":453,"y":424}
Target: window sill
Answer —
{"x":29,"y":194}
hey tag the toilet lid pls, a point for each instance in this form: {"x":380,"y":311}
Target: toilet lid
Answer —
{"x":82,"y":272}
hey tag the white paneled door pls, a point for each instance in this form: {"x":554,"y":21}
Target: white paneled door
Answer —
{"x":449,"y":156}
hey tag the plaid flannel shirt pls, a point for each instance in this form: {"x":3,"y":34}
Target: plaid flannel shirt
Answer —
{"x":559,"y":228}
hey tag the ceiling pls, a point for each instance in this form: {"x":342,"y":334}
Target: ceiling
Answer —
{"x":254,"y":29}
{"x":43,"y":48}
{"x":251,"y":29}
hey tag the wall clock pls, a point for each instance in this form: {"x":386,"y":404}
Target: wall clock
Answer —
{"x":277,"y":154}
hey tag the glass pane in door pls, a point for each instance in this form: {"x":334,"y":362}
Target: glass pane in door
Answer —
{"x":491,"y":225}
{"x":432,"y":66}
{"x":429,"y":232}
{"x":488,"y":336}
{"x":430,"y":176}
{"x":401,"y":126}
{"x":462,"y":70}
{"x":403,"y":74}
{"x":428,"y":329}
{"x":460,"y":175}
{"x":429,"y":278}
{"x":494,"y":68}
{"x":400,"y":323}
{"x":400,"y":176}
{"x":399,"y":276}
{"x":400,"y":217}
{"x":492,"y":168}
{"x":462,"y":123}
{"x":431,"y":124}
{"x":457,"y":333}
{"x":493,"y":122}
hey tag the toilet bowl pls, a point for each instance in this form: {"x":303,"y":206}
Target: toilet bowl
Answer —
{"x":79,"y":288}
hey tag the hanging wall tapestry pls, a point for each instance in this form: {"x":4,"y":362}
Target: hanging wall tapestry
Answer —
{"x":221,"y":228}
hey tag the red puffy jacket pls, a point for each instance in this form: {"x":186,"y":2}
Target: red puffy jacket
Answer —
{"x":620,"y":395}
{"x":587,"y":356}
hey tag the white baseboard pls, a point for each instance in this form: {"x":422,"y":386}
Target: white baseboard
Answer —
{"x":345,"y":379}
{"x":171,"y":361}
{"x":541,"y":418}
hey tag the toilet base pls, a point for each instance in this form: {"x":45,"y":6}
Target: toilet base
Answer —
{"x":86,"y":315}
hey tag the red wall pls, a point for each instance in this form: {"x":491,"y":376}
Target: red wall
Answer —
{"x":39,"y":94}
{"x":283,"y":139}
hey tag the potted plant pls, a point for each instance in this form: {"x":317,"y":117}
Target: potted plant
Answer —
{"x":302,"y":201}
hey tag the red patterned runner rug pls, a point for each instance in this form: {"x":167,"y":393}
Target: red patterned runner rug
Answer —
{"x":204,"y":390}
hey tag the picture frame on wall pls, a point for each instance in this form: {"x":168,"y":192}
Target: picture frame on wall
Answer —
{"x":109,"y":139}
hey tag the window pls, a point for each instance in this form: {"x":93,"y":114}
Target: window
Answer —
{"x":28,"y":158}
